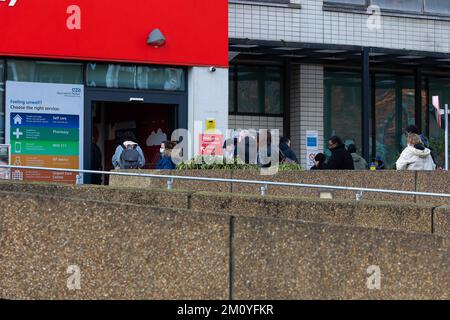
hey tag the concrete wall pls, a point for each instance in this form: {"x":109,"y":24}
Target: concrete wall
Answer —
{"x":391,"y":180}
{"x":138,"y":252}
{"x":410,"y":217}
{"x":123,"y":251}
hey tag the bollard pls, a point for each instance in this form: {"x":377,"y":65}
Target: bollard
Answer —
{"x":170,"y":184}
{"x":359,"y":196}
{"x":264,"y":190}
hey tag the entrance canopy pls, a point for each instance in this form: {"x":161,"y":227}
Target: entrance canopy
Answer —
{"x":339,"y":55}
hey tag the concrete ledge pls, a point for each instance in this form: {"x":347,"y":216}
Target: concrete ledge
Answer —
{"x":434,"y":181}
{"x":149,"y":197}
{"x":366,"y":179}
{"x":393,"y":216}
{"x":135,"y":182}
{"x":124,"y":251}
{"x":387,"y":215}
{"x":277,"y":259}
{"x":442,"y":221}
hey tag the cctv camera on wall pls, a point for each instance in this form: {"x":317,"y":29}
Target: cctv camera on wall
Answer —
{"x":212,"y":69}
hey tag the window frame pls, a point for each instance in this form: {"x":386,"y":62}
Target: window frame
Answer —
{"x":423,"y":13}
{"x":236,"y":111}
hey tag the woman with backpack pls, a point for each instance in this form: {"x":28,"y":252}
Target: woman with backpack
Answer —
{"x":128,"y":155}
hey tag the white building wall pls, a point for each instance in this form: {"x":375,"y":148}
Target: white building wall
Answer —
{"x":237,"y":122}
{"x":208,"y":99}
{"x":311,"y":23}
{"x":307,"y":106}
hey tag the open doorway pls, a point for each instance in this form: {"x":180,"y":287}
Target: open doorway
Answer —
{"x":151,"y":124}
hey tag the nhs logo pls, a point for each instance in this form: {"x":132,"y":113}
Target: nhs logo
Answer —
{"x":12,"y":3}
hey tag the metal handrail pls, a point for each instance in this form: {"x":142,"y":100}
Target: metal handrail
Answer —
{"x":264,"y":184}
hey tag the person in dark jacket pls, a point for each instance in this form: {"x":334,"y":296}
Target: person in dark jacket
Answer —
{"x":166,"y":163}
{"x":287,"y":155}
{"x":340,"y":158}
{"x":319,"y":161}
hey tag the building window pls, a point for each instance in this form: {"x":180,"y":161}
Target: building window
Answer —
{"x":437,"y":87}
{"x":269,"y":1}
{"x":400,"y":5}
{"x":358,"y":2}
{"x":45,"y":71}
{"x":135,"y":77}
{"x":437,"y":6}
{"x":256,"y":90}
{"x":2,"y":99}
{"x":343,"y":106}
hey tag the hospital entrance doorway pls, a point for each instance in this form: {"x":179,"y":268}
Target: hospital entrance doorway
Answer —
{"x":150,"y":124}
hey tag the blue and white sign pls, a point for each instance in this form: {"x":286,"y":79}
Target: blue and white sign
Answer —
{"x":312,"y":147}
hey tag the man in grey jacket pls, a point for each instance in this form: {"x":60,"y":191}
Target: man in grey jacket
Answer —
{"x":359,"y":162}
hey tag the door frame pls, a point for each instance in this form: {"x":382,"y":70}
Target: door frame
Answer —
{"x":180,"y":99}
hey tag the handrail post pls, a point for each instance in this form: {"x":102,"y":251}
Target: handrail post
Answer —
{"x":170,"y":184}
{"x":264,"y":190}
{"x":359,"y":196}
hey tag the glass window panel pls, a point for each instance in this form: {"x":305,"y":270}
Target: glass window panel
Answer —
{"x":385,"y":120}
{"x":135,"y":77}
{"x":343,"y":106}
{"x":402,"y":5}
{"x":2,"y":106}
{"x":249,"y":89}
{"x":44,"y":71}
{"x":394,"y":111}
{"x":360,"y":2}
{"x":232,"y":89}
{"x":111,"y":76}
{"x":273,"y":102}
{"x":437,"y":6}
{"x":438,"y":87}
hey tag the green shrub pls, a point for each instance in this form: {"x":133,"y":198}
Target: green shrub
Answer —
{"x":219,"y":163}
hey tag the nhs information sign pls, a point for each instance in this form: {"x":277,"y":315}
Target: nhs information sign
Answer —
{"x":44,"y":126}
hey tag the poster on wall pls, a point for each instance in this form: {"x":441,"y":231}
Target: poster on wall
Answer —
{"x":5,"y":158}
{"x":44,"y":126}
{"x":312,"y":147}
{"x":211,"y":145}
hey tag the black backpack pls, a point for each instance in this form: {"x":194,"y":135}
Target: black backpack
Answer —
{"x":129,"y":159}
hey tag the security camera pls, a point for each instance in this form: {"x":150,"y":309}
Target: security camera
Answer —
{"x":212,"y":69}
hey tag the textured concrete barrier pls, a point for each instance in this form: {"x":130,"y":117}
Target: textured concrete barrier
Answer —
{"x":442,"y":221}
{"x":366,"y":179}
{"x":394,"y":180}
{"x":435,"y":181}
{"x":387,"y":215}
{"x":123,"y":251}
{"x":136,"y":182}
{"x":138,"y":252}
{"x":150,"y":197}
{"x":276,"y":259}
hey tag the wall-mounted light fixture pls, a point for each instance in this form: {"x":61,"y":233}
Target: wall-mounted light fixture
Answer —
{"x":156,"y":39}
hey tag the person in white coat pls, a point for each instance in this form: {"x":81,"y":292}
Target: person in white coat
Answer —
{"x":415,"y":156}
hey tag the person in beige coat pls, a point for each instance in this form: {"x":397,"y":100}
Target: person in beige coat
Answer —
{"x":415,"y":156}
